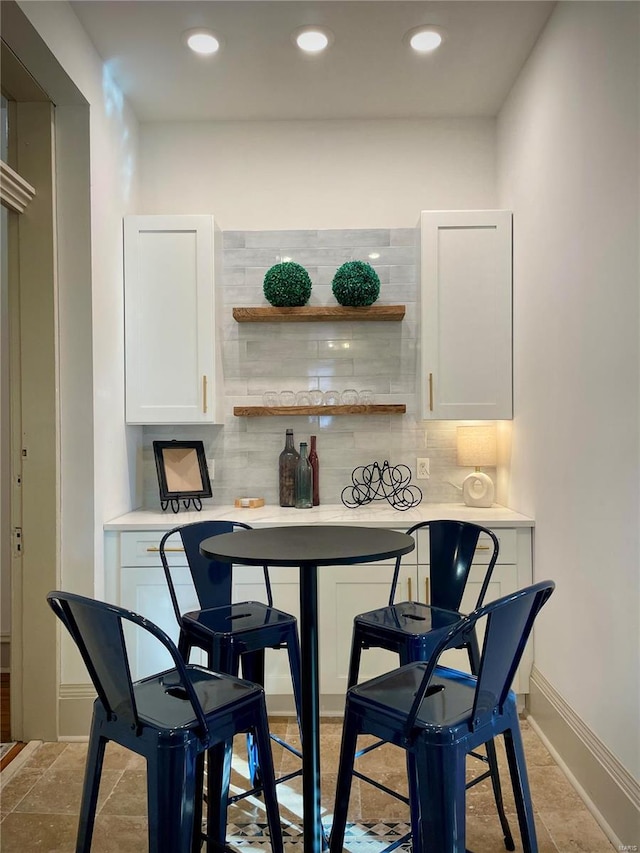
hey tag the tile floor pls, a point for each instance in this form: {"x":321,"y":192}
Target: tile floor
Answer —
{"x":40,"y":801}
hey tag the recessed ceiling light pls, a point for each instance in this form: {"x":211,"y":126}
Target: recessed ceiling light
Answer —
{"x":202,"y":41}
{"x":424,"y":39}
{"x":312,"y":39}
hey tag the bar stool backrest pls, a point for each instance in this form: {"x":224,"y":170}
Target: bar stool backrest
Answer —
{"x":452,"y":547}
{"x":212,"y":579}
{"x":509,"y":621}
{"x":97,"y":630}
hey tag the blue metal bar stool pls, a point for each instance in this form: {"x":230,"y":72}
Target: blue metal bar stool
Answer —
{"x":439,"y":716}
{"x":231,"y":634}
{"x":173,"y":719}
{"x":412,"y":629}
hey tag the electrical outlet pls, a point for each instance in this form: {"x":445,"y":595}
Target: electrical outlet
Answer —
{"x":422,"y":469}
{"x":211,"y":465}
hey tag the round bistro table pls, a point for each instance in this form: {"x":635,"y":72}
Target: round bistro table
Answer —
{"x":308,"y":546}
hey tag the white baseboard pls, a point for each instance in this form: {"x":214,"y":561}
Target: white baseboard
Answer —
{"x":609,"y":791}
{"x":75,"y":708}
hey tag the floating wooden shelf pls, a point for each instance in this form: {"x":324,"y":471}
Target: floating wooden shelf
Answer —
{"x":315,"y":313}
{"x":269,"y":411}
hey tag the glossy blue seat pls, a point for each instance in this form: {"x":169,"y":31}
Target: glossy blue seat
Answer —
{"x":231,"y":634}
{"x":173,"y":719}
{"x":412,"y":629}
{"x":439,"y":716}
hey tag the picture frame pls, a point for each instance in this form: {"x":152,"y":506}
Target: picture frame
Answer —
{"x":183,"y":476}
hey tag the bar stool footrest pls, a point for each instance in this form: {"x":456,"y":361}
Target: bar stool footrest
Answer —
{"x":381,"y":787}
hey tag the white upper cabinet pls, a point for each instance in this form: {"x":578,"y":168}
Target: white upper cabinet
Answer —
{"x":173,"y":363}
{"x":466,"y":319}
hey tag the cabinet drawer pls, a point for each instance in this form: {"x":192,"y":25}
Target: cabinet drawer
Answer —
{"x":142,"y":548}
{"x":506,"y":555}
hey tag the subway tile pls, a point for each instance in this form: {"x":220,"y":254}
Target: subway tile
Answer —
{"x":250,"y":257}
{"x":233,"y":239}
{"x":281,"y":240}
{"x":354,"y":237}
{"x":282,"y":349}
{"x":356,"y":348}
{"x":386,"y":256}
{"x":404,"y":236}
{"x":232,"y":278}
{"x":405,"y":274}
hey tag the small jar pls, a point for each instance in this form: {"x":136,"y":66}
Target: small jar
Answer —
{"x":270,"y":398}
{"x":287,"y":398}
{"x":367,"y":398}
{"x":350,"y":397}
{"x":331,"y":398}
{"x":303,"y":399}
{"x":316,"y":398}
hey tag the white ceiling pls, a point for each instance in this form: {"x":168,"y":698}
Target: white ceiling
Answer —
{"x":368,"y":72}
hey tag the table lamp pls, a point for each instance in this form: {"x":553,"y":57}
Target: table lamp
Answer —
{"x":477,"y":447}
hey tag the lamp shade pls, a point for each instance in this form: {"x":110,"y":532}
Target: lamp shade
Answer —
{"x":477,"y":446}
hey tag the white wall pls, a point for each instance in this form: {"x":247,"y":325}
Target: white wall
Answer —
{"x":568,"y":167}
{"x":316,"y":174}
{"x":109,"y":192}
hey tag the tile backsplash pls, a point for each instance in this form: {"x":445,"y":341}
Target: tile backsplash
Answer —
{"x":380,"y":356}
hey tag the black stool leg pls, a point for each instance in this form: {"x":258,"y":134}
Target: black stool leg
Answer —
{"x":293,"y":650}
{"x":171,"y":791}
{"x":356,"y":654}
{"x":184,"y":645}
{"x":441,"y":791}
{"x":92,"y":773}
{"x":520,"y":782}
{"x":345,"y":776}
{"x":492,"y":759}
{"x":253,"y":670}
{"x":263,"y":744}
{"x":218,"y":781}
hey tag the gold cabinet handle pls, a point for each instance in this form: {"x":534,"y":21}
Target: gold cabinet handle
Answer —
{"x":431,"y":392}
{"x":409,"y":589}
{"x":154,"y":550}
{"x":426,"y":590}
{"x":482,"y":547}
{"x":204,"y":395}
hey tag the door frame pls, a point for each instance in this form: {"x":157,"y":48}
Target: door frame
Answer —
{"x":53,"y":316}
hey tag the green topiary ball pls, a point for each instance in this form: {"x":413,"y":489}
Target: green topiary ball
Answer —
{"x":356,"y":283}
{"x":287,"y":284}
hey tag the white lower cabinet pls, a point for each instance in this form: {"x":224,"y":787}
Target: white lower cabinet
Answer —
{"x":143,"y":588}
{"x":343,"y":592}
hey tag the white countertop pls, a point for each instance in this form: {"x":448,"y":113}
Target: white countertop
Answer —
{"x":378,"y":515}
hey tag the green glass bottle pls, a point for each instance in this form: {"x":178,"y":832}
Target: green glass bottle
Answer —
{"x":304,"y":479}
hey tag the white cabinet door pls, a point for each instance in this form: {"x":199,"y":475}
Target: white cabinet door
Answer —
{"x":466,"y":336}
{"x":145,"y":591}
{"x":172,"y":365}
{"x":345,"y":592}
